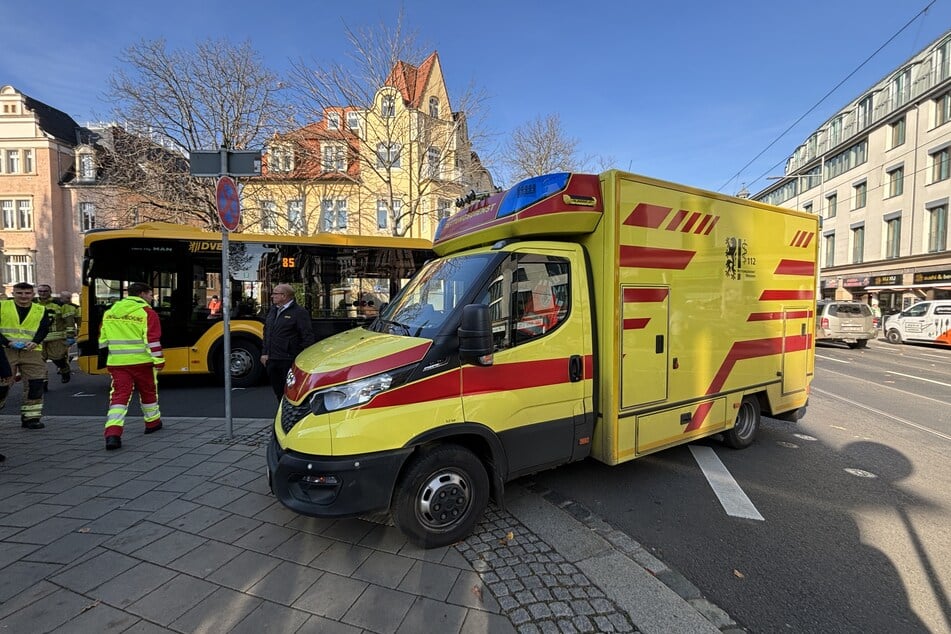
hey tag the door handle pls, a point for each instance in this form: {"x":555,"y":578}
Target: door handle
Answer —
{"x":575,"y":368}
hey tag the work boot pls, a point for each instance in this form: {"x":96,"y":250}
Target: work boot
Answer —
{"x":113,"y":442}
{"x":2,"y":457}
{"x":153,"y":428}
{"x":31,"y":423}
{"x":65,"y":376}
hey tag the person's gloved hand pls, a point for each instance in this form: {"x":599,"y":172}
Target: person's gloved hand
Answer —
{"x":70,"y":341}
{"x":18,"y":345}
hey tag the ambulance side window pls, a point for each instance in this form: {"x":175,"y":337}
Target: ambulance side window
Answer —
{"x":528,"y":297}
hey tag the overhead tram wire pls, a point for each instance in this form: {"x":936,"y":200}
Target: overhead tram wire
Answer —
{"x":824,"y":97}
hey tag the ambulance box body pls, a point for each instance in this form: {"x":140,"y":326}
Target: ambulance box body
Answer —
{"x":573,"y":315}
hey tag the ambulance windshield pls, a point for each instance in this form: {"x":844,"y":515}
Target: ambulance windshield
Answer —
{"x":422,"y":307}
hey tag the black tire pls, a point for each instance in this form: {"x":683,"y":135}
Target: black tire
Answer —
{"x":893,"y":336}
{"x":747,"y":424}
{"x":246,"y":368}
{"x":440,"y":496}
{"x":861,"y":343}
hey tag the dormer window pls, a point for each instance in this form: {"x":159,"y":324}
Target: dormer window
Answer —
{"x":333,"y":121}
{"x":280,"y":158}
{"x":388,"y":106}
{"x":434,"y":107}
{"x":353,"y":121}
{"x":87,"y":166}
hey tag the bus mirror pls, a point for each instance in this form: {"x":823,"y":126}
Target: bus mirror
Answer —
{"x":475,"y":335}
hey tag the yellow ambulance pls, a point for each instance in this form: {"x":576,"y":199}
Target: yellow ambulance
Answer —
{"x":573,"y":315}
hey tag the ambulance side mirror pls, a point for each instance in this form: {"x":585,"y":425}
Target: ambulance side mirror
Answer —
{"x":475,"y":335}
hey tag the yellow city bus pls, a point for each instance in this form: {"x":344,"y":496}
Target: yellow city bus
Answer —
{"x":341,"y":279}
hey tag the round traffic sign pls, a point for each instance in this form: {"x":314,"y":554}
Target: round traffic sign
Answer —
{"x":229,"y":207}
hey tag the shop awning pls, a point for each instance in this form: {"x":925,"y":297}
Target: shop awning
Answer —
{"x":908,"y":287}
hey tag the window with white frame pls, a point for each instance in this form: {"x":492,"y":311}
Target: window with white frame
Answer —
{"x":17,"y":214}
{"x":942,"y":109}
{"x":388,"y":106}
{"x":859,"y":195}
{"x":388,"y":155}
{"x":87,"y":216}
{"x":13,"y":161}
{"x":828,"y":250}
{"x":832,"y":205}
{"x":353,"y":121}
{"x":835,"y":132}
{"x":938,"y":228}
{"x":295,"y":216}
{"x":341,"y":207}
{"x":895,"y":179}
{"x":443,"y":208}
{"x":943,"y":59}
{"x":20,"y":268}
{"x":901,"y":87}
{"x":327,"y":214}
{"x":432,"y":162}
{"x":334,"y":157}
{"x":87,"y":166}
{"x":896,"y":134}
{"x":893,"y":237}
{"x":333,"y":121}
{"x":864,"y":113}
{"x":382,"y":214}
{"x":268,"y":215}
{"x":280,"y":158}
{"x":434,"y":107}
{"x":940,"y":165}
{"x":858,"y":244}
{"x":28,"y":164}
{"x":399,"y":221}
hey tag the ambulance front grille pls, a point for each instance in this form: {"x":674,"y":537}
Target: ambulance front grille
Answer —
{"x":292,"y":414}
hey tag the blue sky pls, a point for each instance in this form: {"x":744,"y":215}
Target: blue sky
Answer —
{"x":686,"y":91}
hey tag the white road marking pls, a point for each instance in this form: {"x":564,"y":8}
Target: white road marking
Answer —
{"x":819,"y":356}
{"x":883,"y":386}
{"x":881,"y":413}
{"x":909,"y":376}
{"x":733,"y":499}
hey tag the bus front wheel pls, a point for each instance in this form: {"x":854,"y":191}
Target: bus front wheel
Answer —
{"x":245,"y":365}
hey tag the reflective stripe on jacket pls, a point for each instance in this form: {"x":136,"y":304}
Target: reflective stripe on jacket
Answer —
{"x":57,"y":328}
{"x":131,"y":332}
{"x":13,"y":329}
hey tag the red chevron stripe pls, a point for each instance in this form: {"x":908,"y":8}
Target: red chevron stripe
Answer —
{"x":779,"y":295}
{"x":808,"y":240}
{"x":645,"y":294}
{"x":712,"y":225}
{"x":645,"y":215}
{"x":694,"y":217}
{"x":653,"y":258}
{"x":676,"y":220}
{"x":636,"y":324}
{"x":703,"y":224}
{"x":796,"y":267}
{"x":746,"y":350}
{"x":795,"y":314}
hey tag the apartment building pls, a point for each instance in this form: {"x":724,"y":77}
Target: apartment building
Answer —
{"x":391,"y":167}
{"x":878,"y":173}
{"x":40,"y":238}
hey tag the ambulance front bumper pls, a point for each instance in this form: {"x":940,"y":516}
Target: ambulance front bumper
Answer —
{"x":328,"y":486}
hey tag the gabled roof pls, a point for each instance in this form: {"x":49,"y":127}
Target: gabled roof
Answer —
{"x":53,"y":121}
{"x":410,"y":80}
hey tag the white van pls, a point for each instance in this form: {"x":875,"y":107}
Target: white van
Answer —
{"x":925,"y":322}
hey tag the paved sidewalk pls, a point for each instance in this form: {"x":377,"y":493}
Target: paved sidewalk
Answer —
{"x":177,"y":532}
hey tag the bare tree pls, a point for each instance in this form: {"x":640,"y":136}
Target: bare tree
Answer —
{"x":401,"y":147}
{"x":541,"y":146}
{"x":170,"y":103}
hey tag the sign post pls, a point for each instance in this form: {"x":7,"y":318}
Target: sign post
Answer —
{"x":229,"y":211}
{"x":224,"y":164}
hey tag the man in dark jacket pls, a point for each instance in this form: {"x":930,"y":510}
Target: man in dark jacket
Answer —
{"x":287,"y":331}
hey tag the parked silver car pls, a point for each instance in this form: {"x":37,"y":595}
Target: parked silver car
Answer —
{"x":847,"y":322}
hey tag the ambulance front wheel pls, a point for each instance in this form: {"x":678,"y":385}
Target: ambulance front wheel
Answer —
{"x":440,"y":496}
{"x":747,"y":423}
{"x":893,"y":336}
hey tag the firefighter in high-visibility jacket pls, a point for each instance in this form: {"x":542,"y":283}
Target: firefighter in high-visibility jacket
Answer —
{"x":131,"y":332}
{"x":23,"y":326}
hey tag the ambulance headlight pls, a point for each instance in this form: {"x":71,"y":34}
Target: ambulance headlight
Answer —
{"x":357,"y":392}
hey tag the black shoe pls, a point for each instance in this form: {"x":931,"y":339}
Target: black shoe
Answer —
{"x":65,"y":377}
{"x":113,"y":442}
{"x":33,"y":423}
{"x":152,"y":430}
{"x":2,"y":457}
{"x":46,"y":386}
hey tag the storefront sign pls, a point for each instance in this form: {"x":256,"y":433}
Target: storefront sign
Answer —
{"x":853,"y":282}
{"x":831,"y":283}
{"x":932,"y":277}
{"x":886,"y":280}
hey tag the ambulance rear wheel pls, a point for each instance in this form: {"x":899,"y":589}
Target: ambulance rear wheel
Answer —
{"x":440,"y":496}
{"x":747,"y":423}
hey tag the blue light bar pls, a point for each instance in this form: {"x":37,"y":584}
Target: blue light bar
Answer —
{"x":530,"y":191}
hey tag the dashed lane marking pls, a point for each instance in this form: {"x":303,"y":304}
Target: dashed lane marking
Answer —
{"x":918,"y":378}
{"x":733,"y":499}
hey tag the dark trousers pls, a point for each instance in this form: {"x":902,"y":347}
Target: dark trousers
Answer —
{"x":277,"y":370}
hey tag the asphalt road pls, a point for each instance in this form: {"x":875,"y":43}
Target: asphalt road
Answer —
{"x":855,"y":500}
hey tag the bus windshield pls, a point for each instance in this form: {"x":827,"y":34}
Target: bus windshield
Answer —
{"x":423,"y":306}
